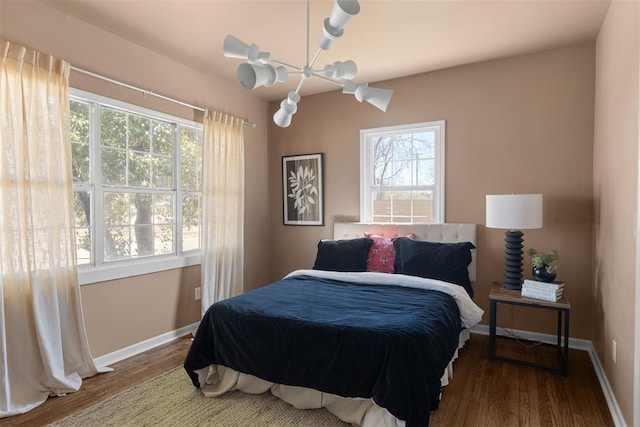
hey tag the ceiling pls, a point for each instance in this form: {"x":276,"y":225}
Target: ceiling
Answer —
{"x":387,"y":39}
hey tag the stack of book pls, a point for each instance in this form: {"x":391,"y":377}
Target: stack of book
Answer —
{"x":547,"y":291}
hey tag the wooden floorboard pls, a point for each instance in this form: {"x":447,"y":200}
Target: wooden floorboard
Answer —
{"x":482,"y":393}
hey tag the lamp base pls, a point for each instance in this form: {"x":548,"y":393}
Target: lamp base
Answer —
{"x":513,"y":260}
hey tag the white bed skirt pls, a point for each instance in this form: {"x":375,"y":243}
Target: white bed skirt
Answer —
{"x":219,"y":379}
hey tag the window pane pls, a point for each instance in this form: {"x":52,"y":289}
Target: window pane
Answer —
{"x":138,"y":225}
{"x":139,"y":135}
{"x":82,"y":208}
{"x":162,"y":141}
{"x":401,"y":175}
{"x":402,"y":147}
{"x":381,"y":158}
{"x":191,"y":222}
{"x":82,"y":211}
{"x":142,"y":241}
{"x":141,"y":208}
{"x":79,"y":118}
{"x":190,"y":175}
{"x":83,"y":245}
{"x":80,"y":162}
{"x":139,"y":169}
{"x":424,"y":145}
{"x":163,"y":239}
{"x":114,"y":167}
{"x":162,"y":173}
{"x":116,"y":209}
{"x":162,"y":209}
{"x":191,"y":158}
{"x":113,"y":128}
{"x":79,"y":126}
{"x":190,"y":141}
{"x":190,"y":237}
{"x":402,"y":206}
{"x":425,"y":172}
{"x":423,"y":206}
{"x":117,"y":243}
{"x":403,"y":165}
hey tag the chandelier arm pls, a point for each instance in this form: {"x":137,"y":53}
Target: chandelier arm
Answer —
{"x":308,"y":14}
{"x":300,"y":85}
{"x":287,"y":65}
{"x":315,"y":58}
{"x":327,"y":79}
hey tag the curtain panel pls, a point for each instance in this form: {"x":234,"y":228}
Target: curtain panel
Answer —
{"x":223,"y":208}
{"x":43,"y":344}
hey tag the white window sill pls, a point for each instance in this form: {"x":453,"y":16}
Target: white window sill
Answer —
{"x":120,"y":270}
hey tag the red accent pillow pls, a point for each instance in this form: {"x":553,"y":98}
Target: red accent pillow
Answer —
{"x":382,"y":254}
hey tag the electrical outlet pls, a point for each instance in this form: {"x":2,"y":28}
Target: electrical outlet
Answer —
{"x":197,"y":293}
{"x":614,"y":351}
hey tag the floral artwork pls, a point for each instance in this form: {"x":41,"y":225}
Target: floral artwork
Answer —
{"x":302,"y":189}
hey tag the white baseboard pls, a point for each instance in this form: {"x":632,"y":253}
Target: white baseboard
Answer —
{"x":578,"y":344}
{"x":145,"y":345}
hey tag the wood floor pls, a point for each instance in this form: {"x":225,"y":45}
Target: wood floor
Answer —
{"x":482,"y":393}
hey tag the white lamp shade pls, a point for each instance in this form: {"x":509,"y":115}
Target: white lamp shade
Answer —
{"x":377,"y":97}
{"x":288,"y":108}
{"x":514,"y":211}
{"x":329,"y":34}
{"x":233,"y":47}
{"x":343,"y":11}
{"x":251,"y":76}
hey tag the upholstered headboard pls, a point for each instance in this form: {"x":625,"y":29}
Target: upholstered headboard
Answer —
{"x":445,"y":233}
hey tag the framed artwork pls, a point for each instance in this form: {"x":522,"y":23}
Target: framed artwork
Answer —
{"x":302,"y":189}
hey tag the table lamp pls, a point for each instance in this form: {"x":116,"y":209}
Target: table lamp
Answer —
{"x":514,"y":212}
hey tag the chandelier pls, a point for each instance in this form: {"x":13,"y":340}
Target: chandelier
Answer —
{"x":262,"y":69}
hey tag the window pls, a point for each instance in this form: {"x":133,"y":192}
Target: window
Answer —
{"x":137,"y":186}
{"x":402,"y":173}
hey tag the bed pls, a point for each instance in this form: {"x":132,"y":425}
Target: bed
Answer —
{"x":373,"y":348}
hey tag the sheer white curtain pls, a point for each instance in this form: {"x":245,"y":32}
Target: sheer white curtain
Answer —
{"x":43,"y":344}
{"x":222,"y":208}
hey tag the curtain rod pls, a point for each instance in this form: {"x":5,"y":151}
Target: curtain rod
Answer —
{"x":148,"y":92}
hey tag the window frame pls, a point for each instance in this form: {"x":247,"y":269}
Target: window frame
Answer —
{"x":100,"y":270}
{"x":366,"y":166}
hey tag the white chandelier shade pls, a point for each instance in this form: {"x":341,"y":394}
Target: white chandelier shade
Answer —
{"x":343,"y":11}
{"x":377,"y":97}
{"x":262,"y":69}
{"x":251,"y":76}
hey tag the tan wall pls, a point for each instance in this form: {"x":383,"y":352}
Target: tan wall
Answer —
{"x":615,"y":193}
{"x":123,"y":312}
{"x":517,"y":125}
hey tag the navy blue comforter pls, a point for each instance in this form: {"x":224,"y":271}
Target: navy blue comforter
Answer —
{"x":388,"y":343}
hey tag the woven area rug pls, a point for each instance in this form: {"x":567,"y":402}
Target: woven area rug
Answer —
{"x":171,"y":400}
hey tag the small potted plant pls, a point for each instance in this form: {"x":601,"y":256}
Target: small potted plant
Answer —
{"x":543,"y":268}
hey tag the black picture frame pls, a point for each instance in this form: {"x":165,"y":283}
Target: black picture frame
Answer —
{"x":303,"y":189}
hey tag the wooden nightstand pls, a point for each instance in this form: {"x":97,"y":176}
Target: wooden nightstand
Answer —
{"x":500,"y":295}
